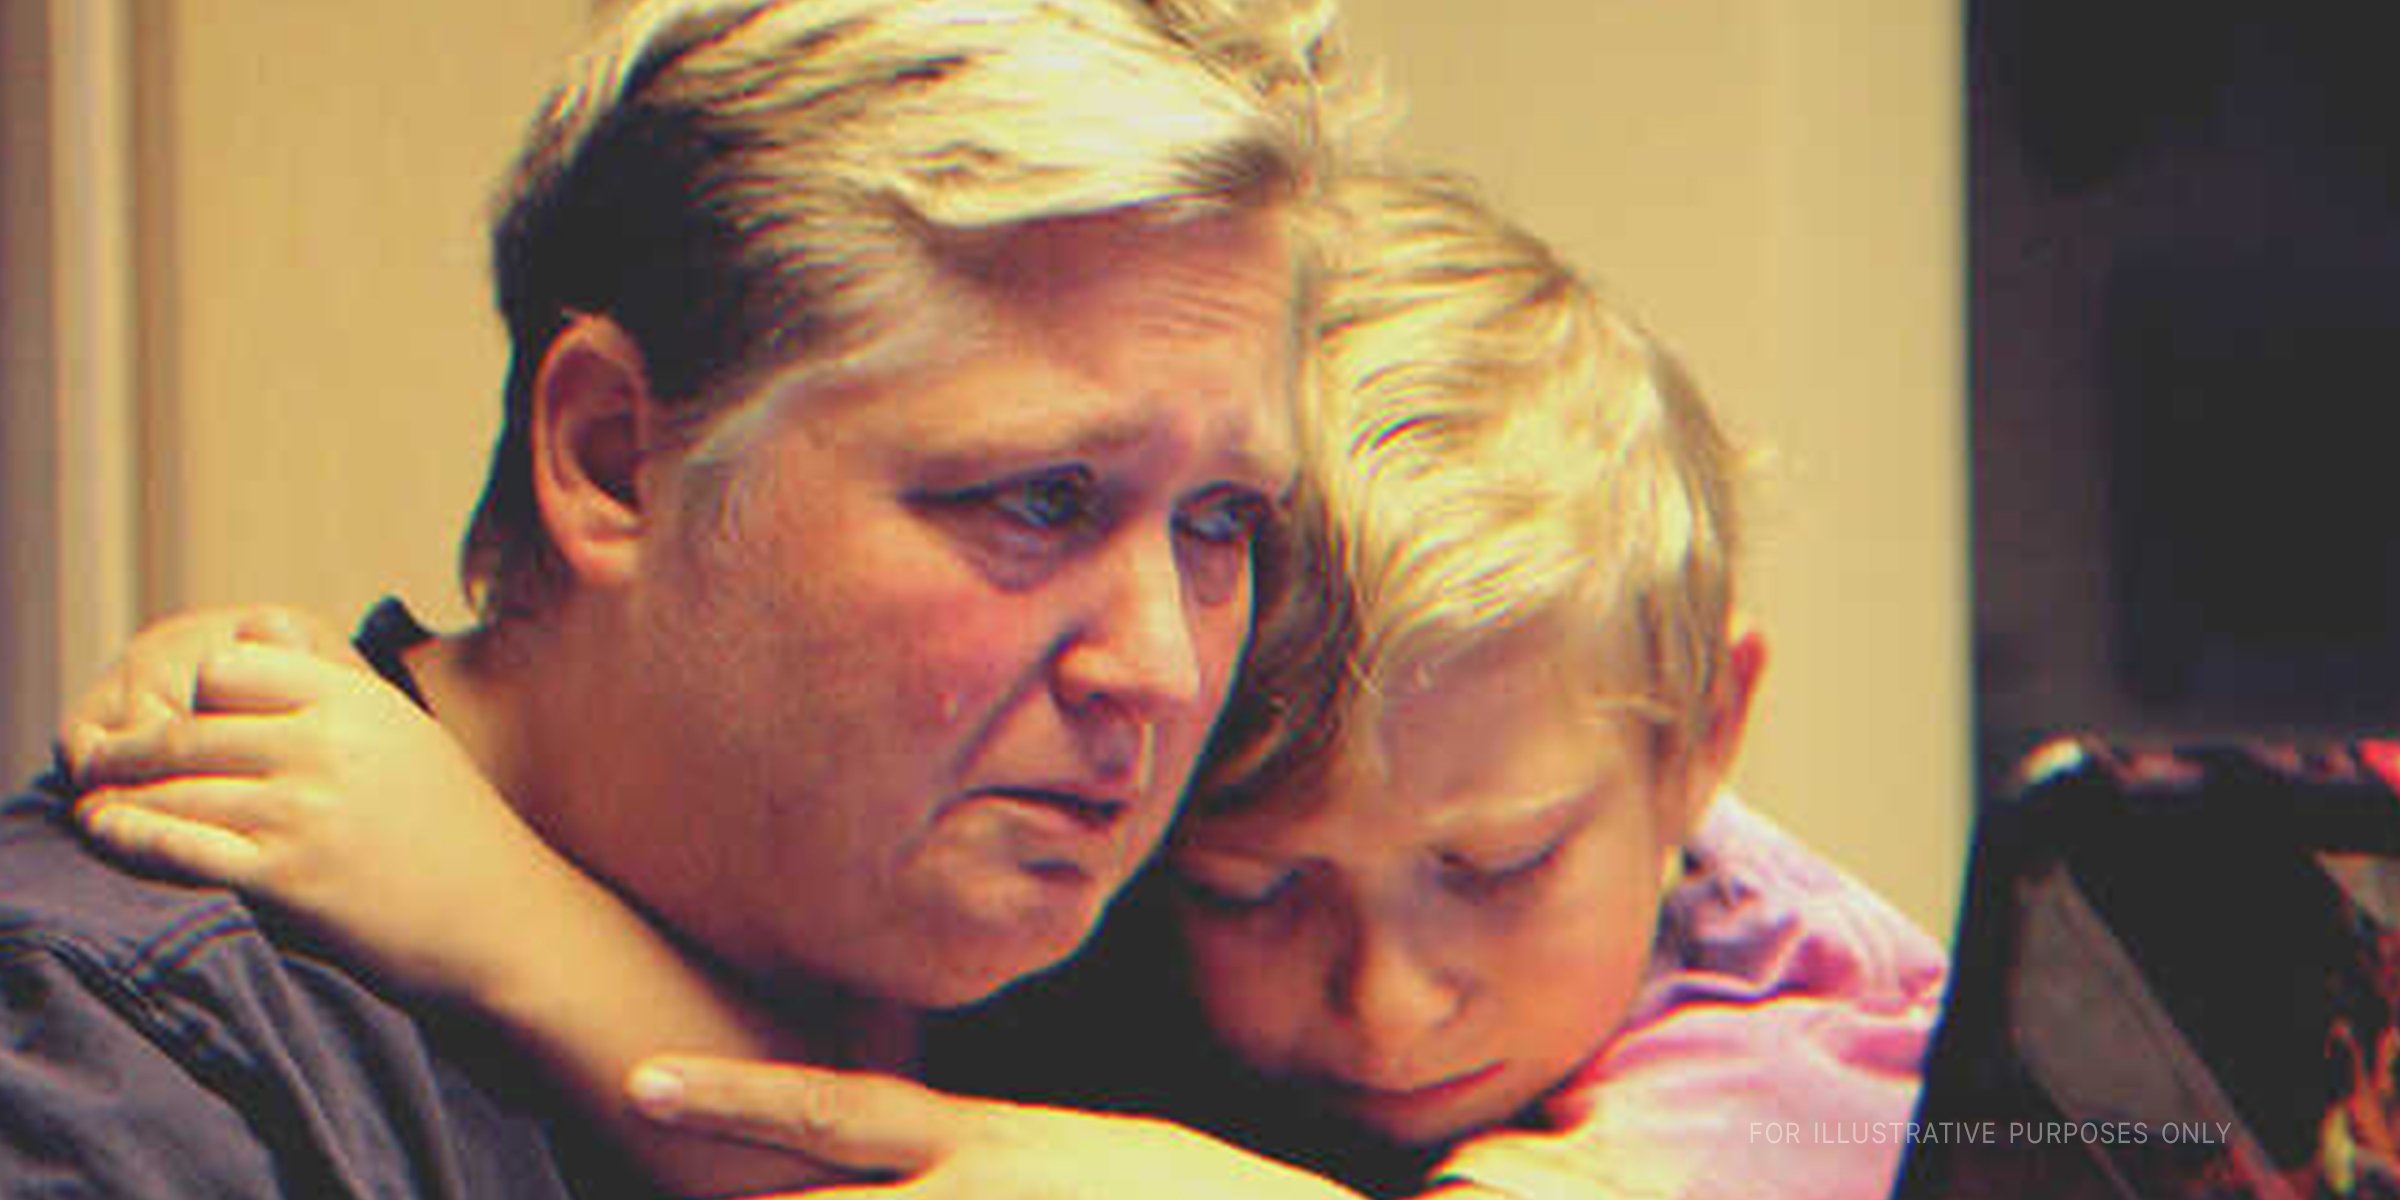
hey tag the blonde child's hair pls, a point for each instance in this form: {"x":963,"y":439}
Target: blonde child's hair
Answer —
{"x":1490,"y":444}
{"x":754,"y":185}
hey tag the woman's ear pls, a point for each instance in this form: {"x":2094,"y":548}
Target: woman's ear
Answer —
{"x":592,"y":421}
{"x":1718,"y":741}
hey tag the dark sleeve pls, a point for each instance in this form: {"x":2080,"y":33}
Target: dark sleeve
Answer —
{"x":93,"y":1104}
{"x":156,"y":1042}
{"x":214,"y":1065}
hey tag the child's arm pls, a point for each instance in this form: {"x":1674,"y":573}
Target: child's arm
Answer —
{"x":306,"y":782}
{"x":311,"y":785}
{"x":941,"y":1145}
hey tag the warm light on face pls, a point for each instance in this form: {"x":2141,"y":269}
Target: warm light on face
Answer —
{"x":932,"y":686}
{"x":1464,"y":914}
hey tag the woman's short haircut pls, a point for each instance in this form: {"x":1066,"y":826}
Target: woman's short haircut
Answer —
{"x":746,"y":186}
{"x":1490,"y":444}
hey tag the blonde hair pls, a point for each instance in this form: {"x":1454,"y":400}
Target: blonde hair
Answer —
{"x":745,"y":185}
{"x":1490,"y":445}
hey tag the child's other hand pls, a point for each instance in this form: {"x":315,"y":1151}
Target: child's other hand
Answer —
{"x":322,"y":790}
{"x":928,"y":1145}
{"x":155,"y":678}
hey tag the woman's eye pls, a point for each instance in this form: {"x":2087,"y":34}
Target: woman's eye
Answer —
{"x":1024,"y":508}
{"x":1469,"y":878}
{"x":1225,"y":900}
{"x":1051,"y":500}
{"x":1226,"y":517}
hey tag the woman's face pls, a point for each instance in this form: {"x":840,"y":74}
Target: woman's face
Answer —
{"x":1460,"y":918}
{"x":926,"y":692}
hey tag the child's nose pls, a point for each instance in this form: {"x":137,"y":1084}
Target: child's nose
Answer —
{"x":1391,"y":994}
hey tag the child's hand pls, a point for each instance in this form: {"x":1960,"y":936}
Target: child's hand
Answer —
{"x":927,"y":1145}
{"x":320,"y":789}
{"x":154,"y":679}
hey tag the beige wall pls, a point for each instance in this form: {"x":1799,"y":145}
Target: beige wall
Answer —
{"x":1774,"y":185}
{"x":325,"y":363}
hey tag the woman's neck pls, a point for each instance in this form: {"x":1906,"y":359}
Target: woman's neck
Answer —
{"x":528,"y":724}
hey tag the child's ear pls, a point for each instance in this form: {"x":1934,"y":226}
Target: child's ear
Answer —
{"x":592,"y":421}
{"x":1718,"y":741}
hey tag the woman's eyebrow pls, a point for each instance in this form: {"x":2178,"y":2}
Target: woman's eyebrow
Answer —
{"x":1008,"y":445}
{"x":1266,"y":462}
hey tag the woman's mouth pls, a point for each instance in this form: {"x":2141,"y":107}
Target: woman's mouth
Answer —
{"x":1055,"y":834}
{"x":1096,"y":814}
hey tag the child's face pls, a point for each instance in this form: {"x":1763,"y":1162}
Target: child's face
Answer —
{"x":1464,"y":914}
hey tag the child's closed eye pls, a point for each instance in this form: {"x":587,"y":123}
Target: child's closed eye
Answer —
{"x":1230,"y":893}
{"x":1467,"y":876}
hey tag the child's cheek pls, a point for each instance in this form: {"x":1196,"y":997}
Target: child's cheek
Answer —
{"x":1590,"y":951}
{"x":1253,"y":1004}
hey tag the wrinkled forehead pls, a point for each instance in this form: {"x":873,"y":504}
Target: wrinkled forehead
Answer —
{"x":1202,"y":283}
{"x":1197,"y":280}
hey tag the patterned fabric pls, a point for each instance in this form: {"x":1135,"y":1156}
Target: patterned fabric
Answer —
{"x":2179,"y":976}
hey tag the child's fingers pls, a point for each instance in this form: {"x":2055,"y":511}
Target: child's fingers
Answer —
{"x":122,"y":699}
{"x":155,"y":677}
{"x":244,"y":806}
{"x":164,"y":842}
{"x":855,"y":1120}
{"x":262,"y":677}
{"x":274,"y":626}
{"x":115,"y":707}
{"x":214,"y":744}
{"x":74,"y":745}
{"x":160,"y":676}
{"x":100,"y":705}
{"x":297,"y":630}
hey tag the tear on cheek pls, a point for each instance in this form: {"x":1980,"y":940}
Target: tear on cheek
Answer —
{"x":946,"y":705}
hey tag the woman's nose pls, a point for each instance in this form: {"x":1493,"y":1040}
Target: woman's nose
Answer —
{"x":1136,"y":646}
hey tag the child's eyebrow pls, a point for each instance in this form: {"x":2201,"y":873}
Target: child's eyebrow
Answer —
{"x":1484,"y":815}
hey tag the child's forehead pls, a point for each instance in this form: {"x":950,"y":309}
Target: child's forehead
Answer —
{"x":1489,"y":749}
{"x":1543,"y":675}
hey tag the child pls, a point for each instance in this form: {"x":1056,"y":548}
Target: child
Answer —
{"x":1486,"y":897}
{"x":1459,"y":876}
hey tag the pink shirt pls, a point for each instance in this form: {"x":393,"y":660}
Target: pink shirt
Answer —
{"x":1775,"y":1054}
